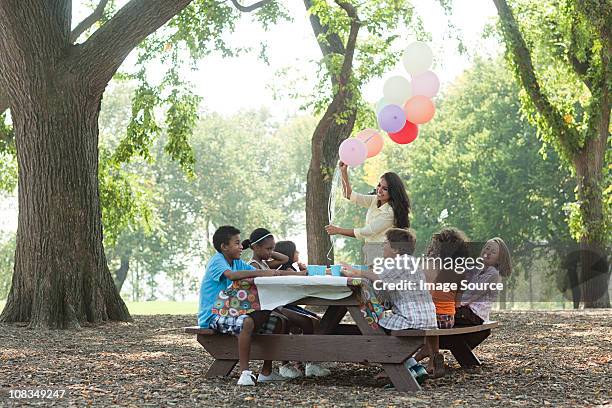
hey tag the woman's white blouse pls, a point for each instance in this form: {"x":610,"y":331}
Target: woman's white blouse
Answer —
{"x":378,"y":219}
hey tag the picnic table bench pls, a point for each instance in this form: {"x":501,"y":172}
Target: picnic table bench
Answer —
{"x":355,"y":343}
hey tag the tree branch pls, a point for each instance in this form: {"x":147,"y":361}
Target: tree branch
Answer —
{"x":329,"y":43}
{"x":581,"y":68}
{"x":102,"y":54}
{"x":90,"y":20}
{"x":347,"y":64}
{"x":252,"y":7}
{"x":334,"y":44}
{"x":521,"y":57}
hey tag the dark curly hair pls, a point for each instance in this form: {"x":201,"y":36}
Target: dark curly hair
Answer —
{"x":449,"y":243}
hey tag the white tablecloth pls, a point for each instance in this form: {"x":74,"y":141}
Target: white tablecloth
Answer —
{"x":275,"y":291}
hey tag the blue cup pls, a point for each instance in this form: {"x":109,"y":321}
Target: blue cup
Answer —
{"x":315,"y":270}
{"x":361,"y":267}
{"x":336,"y":270}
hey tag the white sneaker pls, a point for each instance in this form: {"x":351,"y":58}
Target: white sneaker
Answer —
{"x":269,"y":378}
{"x":246,"y":378}
{"x":289,"y":371}
{"x":316,"y":370}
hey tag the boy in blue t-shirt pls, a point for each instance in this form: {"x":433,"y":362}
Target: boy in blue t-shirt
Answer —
{"x":223,"y":268}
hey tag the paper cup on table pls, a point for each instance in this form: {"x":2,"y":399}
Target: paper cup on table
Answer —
{"x":315,"y":270}
{"x":336,"y":270}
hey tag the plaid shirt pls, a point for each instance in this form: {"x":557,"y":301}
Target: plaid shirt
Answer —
{"x":410,"y":309}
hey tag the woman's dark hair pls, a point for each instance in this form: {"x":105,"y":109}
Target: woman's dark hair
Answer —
{"x":398,"y":200}
{"x":257,"y":237}
{"x":223,"y":235}
{"x":286,"y":248}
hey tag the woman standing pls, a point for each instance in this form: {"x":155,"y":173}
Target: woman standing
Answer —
{"x":388,"y":207}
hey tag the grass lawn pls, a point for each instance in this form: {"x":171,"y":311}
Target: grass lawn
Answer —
{"x":162,"y":307}
{"x":153,"y":308}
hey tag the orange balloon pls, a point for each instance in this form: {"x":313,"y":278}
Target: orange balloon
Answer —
{"x":419,"y":109}
{"x":372,"y":139}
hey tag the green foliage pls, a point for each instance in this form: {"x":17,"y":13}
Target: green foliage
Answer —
{"x":161,"y":218}
{"x":7,"y":255}
{"x":479,"y":162}
{"x":142,"y":127}
{"x":8,"y":162}
{"x":569,"y":43}
{"x":556,"y":32}
{"x":376,"y":50}
{"x":196,"y":32}
{"x":124,"y":197}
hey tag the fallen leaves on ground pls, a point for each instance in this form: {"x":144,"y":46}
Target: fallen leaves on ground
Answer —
{"x":533,"y":359}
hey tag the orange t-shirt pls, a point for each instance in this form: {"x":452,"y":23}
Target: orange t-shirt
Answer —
{"x":444,"y":301}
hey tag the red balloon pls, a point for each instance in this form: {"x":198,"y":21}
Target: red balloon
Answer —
{"x":406,"y":135}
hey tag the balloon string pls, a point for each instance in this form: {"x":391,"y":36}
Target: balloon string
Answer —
{"x":331,"y":208}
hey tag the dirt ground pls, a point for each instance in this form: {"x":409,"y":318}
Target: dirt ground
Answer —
{"x":533,"y":359}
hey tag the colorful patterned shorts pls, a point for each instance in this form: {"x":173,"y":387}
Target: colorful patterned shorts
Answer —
{"x":445,"y":321}
{"x":233,"y":324}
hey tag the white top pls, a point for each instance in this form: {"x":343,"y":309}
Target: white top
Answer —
{"x":378,"y":219}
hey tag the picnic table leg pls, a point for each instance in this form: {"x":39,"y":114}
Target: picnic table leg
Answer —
{"x":400,"y":377}
{"x":330,"y":320}
{"x":462,"y":352}
{"x":398,"y":374}
{"x":474,"y":339}
{"x":221,"y":368}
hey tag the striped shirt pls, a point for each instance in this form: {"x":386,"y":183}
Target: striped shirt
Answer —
{"x":480,"y":301}
{"x":410,"y":308}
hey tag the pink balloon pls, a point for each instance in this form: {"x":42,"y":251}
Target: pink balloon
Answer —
{"x":353,"y":152}
{"x":373,"y":141}
{"x":419,"y":109}
{"x":426,"y":84}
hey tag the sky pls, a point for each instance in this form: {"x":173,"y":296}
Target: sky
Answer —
{"x":229,"y":85}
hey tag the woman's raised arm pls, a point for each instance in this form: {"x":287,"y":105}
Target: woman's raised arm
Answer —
{"x":346,"y":184}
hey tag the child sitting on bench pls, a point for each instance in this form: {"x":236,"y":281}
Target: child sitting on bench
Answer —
{"x":266,"y":256}
{"x":476,"y":304}
{"x":411,"y":308}
{"x":223,"y":268}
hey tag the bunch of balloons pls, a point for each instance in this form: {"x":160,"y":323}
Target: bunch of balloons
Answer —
{"x":405,"y":105}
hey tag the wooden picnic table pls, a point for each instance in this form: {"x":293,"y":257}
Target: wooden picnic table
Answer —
{"x":334,"y":341}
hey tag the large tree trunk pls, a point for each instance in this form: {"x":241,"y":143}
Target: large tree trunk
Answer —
{"x":588,"y":160}
{"x":61,"y":278}
{"x":325,"y":143}
{"x":54,"y":89}
{"x":336,"y":125}
{"x":595,"y":274}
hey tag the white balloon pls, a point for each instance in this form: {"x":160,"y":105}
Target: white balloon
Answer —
{"x":417,"y":58}
{"x":397,"y":90}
